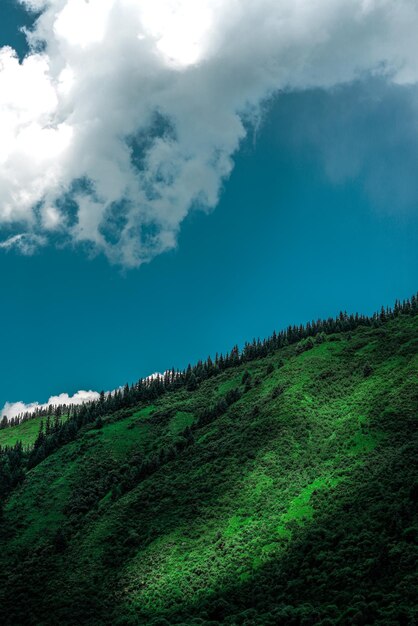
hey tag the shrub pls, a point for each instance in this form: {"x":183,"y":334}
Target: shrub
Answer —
{"x":367,"y":370}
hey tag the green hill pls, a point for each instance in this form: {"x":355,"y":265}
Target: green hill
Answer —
{"x":278,"y":491}
{"x":25,"y":432}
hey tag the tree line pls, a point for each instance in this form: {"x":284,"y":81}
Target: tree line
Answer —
{"x":62,"y":423}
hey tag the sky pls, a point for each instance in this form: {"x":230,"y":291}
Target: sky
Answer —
{"x":178,"y":177}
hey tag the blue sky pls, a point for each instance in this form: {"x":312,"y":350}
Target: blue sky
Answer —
{"x":318,"y":214}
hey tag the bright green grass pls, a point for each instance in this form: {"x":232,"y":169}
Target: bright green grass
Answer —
{"x":144,"y":413}
{"x":25,"y":432}
{"x":180,"y":421}
{"x":116,"y":439}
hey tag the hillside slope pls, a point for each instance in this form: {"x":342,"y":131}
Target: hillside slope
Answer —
{"x":281,"y":491}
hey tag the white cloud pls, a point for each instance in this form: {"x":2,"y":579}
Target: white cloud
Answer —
{"x":11,"y":409}
{"x":134,"y":110}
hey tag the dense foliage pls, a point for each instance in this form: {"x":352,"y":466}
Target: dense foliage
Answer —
{"x":276,"y":485}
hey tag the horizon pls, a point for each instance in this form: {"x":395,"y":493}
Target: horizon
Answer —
{"x":19,"y":409}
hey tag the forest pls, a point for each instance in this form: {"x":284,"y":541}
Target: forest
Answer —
{"x":275,"y":484}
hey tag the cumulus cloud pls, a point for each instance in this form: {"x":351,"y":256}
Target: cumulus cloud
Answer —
{"x":125,"y":115}
{"x":11,"y":409}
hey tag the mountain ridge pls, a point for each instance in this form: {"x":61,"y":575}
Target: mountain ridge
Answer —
{"x":242,"y":498}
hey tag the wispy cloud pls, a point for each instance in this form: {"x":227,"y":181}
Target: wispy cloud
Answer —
{"x":126,"y":115}
{"x":26,"y":243}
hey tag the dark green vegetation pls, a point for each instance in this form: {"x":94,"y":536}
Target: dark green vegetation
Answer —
{"x":280,"y":487}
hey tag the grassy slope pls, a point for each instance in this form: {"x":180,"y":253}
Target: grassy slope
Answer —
{"x":298,"y":508}
{"x":26,"y":432}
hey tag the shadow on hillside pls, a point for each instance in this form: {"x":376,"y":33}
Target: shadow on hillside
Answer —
{"x":354,"y":564}
{"x":42,"y":578}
